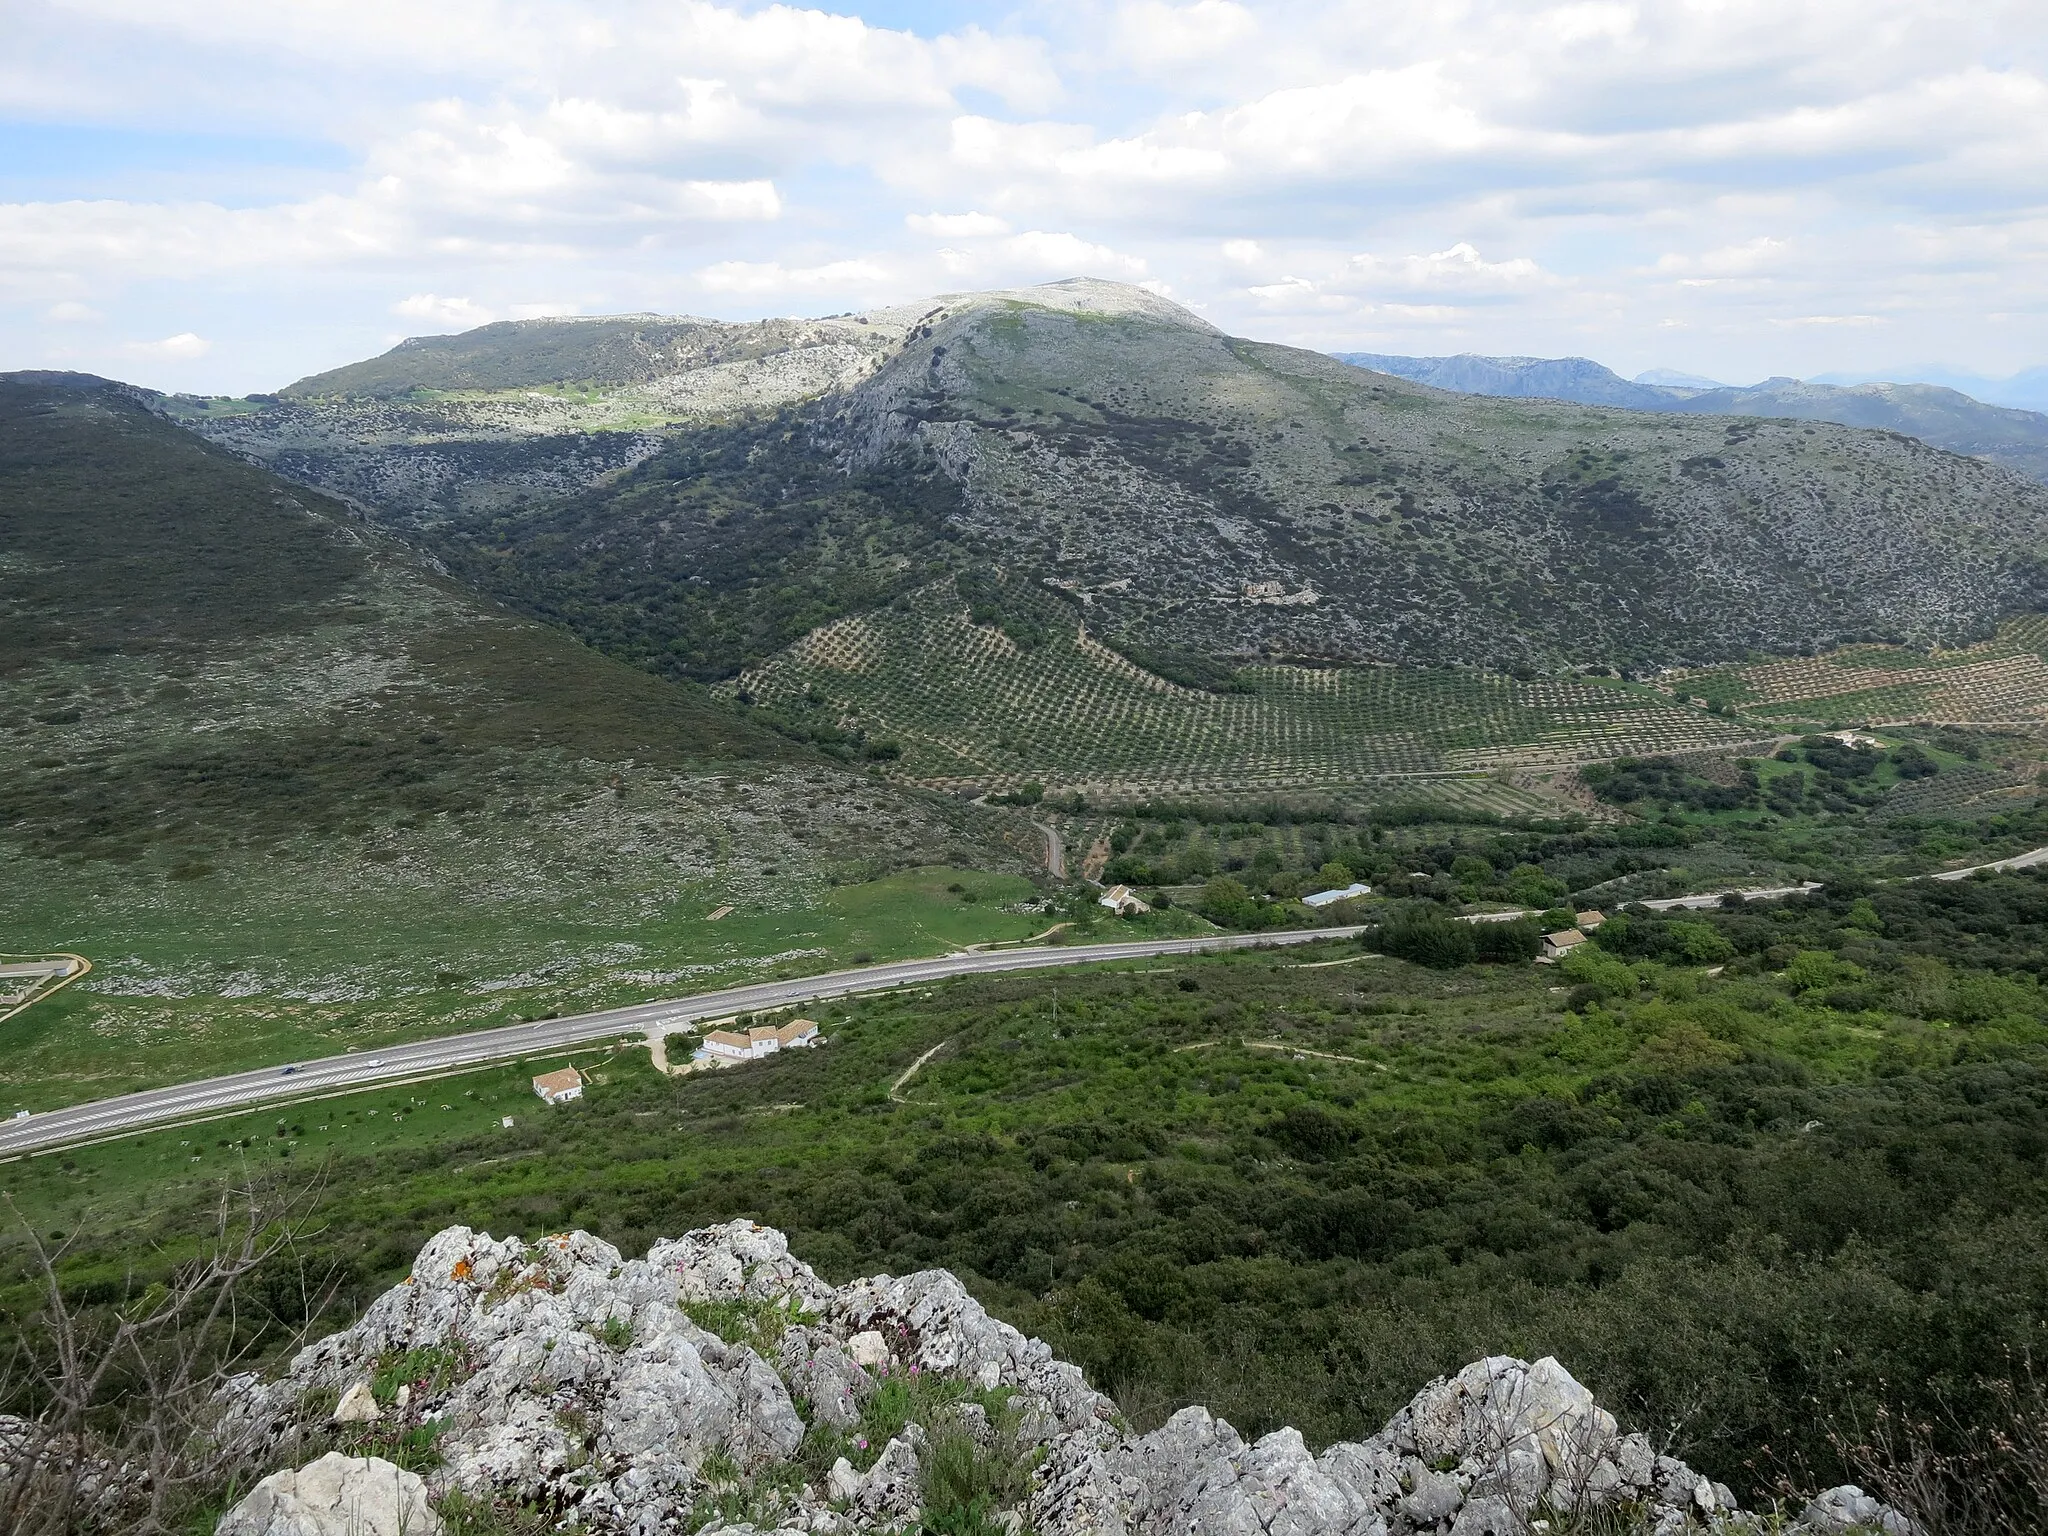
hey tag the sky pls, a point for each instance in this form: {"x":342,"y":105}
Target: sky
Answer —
{"x":224,"y":195}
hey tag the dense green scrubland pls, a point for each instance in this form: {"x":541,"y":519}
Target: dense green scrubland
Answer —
{"x":1750,"y":1173}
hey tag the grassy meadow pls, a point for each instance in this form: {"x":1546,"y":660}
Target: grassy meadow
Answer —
{"x":205,"y":983}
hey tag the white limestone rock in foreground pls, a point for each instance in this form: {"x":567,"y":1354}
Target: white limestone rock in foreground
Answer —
{"x":335,"y":1496}
{"x":565,"y":1375}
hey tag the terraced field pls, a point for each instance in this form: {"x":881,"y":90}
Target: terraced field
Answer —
{"x":2003,"y":681}
{"x":969,"y":706}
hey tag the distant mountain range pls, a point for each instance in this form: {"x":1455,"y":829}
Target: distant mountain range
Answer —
{"x":2026,"y":390}
{"x":1943,"y":417}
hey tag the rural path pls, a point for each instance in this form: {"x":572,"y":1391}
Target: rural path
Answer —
{"x":1055,"y":851}
{"x":1707,"y":899}
{"x":103,"y":1119}
{"x":896,"y":1088}
{"x":2028,"y":860}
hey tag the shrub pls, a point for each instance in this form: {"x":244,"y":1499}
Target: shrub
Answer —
{"x":1506,"y":943}
{"x":1599,"y":972}
{"x":1425,"y":936}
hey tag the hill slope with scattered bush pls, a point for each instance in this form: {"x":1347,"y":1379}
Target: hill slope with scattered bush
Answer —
{"x":1202,"y":494}
{"x":256,"y":748}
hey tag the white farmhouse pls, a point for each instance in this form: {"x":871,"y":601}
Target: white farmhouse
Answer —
{"x":558,"y":1087}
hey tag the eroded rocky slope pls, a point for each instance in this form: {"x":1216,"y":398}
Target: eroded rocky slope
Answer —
{"x":1197,"y":493}
{"x":1206,"y":493}
{"x":719,"y":1384}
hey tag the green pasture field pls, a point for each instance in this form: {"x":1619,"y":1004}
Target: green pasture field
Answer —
{"x":226,"y":976}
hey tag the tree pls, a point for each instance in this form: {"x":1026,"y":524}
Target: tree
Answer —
{"x":1506,"y":943}
{"x":1423,"y":935}
{"x":117,"y":1401}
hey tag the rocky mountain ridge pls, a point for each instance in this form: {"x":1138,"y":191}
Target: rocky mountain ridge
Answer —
{"x":1942,"y":417}
{"x":1175,"y":481}
{"x":561,"y":1376}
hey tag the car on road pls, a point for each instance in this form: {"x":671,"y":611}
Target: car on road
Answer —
{"x":376,"y":1061}
{"x":288,"y":1072}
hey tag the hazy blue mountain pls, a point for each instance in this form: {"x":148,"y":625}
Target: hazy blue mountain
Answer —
{"x":2026,"y":390}
{"x":1539,"y":378}
{"x":1673,"y":378}
{"x":1943,"y":417}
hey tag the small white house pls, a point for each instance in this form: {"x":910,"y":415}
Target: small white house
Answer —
{"x":797,"y":1035}
{"x":1557,"y":945}
{"x":559,"y":1087}
{"x":1325,"y":898}
{"x":1122,"y":900}
{"x":760,"y":1040}
{"x":729,"y":1044}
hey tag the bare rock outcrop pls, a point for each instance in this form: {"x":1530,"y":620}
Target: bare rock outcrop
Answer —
{"x":561,"y":1374}
{"x":335,"y":1496}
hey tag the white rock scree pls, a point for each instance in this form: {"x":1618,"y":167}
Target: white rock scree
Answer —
{"x":573,"y":1379}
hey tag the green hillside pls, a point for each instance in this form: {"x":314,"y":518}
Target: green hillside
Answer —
{"x":2002,"y":681}
{"x":516,"y":354}
{"x":1235,"y":498}
{"x":1209,"y":496}
{"x":289,"y":787}
{"x":1725,"y":1165}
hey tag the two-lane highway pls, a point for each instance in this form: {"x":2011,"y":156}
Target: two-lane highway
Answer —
{"x":430,"y":1058}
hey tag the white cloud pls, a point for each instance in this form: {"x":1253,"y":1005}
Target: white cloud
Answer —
{"x":772,"y":277}
{"x":435,"y":310}
{"x":1151,"y":35}
{"x":956,"y":226}
{"x":71,"y":311}
{"x":180,"y":348}
{"x":1460,"y":268}
{"x":1779,"y":181}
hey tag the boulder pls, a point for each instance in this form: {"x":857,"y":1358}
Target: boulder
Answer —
{"x":335,"y":1496}
{"x":1528,"y":1425}
{"x":842,"y":1483}
{"x":818,"y":1367}
{"x":928,"y":1320}
{"x":357,"y":1406}
{"x":1432,"y":1496}
{"x":891,"y":1489}
{"x":1488,"y":1515}
{"x":1849,"y":1508}
{"x":1272,"y":1488}
{"x":1371,"y":1470}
